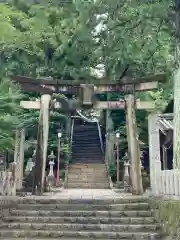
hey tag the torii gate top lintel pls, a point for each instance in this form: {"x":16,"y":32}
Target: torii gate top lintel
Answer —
{"x":74,"y":87}
{"x":98,"y":82}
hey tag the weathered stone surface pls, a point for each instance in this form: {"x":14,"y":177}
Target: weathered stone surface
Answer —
{"x":82,"y":213}
{"x":81,"y":220}
{"x":47,"y":200}
{"x":80,"y":206}
{"x":88,"y":176}
{"x":86,"y":218}
{"x":79,"y":227}
{"x":79,"y":235}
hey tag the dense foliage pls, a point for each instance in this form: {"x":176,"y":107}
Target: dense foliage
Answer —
{"x":67,"y":40}
{"x":9,"y":108}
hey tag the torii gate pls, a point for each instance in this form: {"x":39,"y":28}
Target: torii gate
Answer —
{"x":86,"y":92}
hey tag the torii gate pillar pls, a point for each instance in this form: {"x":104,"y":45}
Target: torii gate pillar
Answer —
{"x":42,"y":143}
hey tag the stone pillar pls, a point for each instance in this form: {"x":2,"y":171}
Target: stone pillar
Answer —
{"x":19,"y":157}
{"x":45,"y":102}
{"x":42,"y":143}
{"x":154,"y":152}
{"x":135,"y":167}
{"x":109,"y":135}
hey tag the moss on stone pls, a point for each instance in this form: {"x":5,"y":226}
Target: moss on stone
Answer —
{"x":168,"y":215}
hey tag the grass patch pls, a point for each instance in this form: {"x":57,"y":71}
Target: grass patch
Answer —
{"x":167,"y":213}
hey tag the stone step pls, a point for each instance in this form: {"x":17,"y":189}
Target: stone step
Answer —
{"x":81,"y":137}
{"x":80,"y":220}
{"x":80,"y":159}
{"x":85,"y":155}
{"x":97,"y":214}
{"x":86,"y":160}
{"x":94,"y":165}
{"x":83,"y":148}
{"x":90,"y":186}
{"x":88,"y":174}
{"x":4,"y":238}
{"x":93,"y":177}
{"x":85,"y":171}
{"x":81,"y":206}
{"x":82,"y":141}
{"x":46,"y":201}
{"x":82,"y":181}
{"x":88,"y":150}
{"x":79,"y":235}
{"x":80,"y":227}
{"x":83,"y":132}
{"x":74,"y":175}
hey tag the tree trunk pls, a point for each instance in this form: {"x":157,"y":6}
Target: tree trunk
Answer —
{"x":176,"y":142}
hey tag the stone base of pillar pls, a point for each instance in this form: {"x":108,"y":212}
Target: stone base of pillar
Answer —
{"x":51,"y":181}
{"x":126,"y":184}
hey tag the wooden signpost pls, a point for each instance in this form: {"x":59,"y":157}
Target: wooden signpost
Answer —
{"x":126,"y":85}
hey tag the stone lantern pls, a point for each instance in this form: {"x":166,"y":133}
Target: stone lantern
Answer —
{"x":51,"y":177}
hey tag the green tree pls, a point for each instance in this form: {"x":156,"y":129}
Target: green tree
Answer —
{"x":67,"y":41}
{"x":9,"y":109}
{"x":51,"y":40}
{"x":137,"y":35}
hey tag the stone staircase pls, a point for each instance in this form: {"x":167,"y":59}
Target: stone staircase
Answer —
{"x":86,"y":146}
{"x":122,"y":218}
{"x":87,"y":176}
{"x":88,"y":169}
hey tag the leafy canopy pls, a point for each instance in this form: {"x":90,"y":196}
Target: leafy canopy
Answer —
{"x":67,"y":41}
